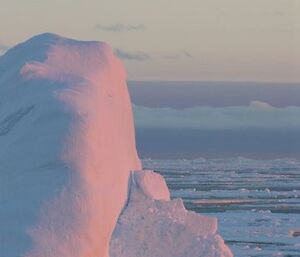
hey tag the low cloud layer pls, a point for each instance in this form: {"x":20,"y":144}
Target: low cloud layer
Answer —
{"x":258,"y":115}
{"x":143,"y":56}
{"x":120,"y":27}
{"x":132,"y":56}
{"x":175,"y":55}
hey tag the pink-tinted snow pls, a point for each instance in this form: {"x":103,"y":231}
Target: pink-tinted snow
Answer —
{"x":100,"y":148}
{"x":86,"y":84}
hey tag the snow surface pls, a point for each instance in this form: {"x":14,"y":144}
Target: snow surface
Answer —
{"x":151,"y":226}
{"x":67,"y":155}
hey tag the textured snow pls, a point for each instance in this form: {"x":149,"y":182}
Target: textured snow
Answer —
{"x":151,"y":226}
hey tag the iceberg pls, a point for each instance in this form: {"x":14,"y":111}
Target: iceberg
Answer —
{"x":71,"y":182}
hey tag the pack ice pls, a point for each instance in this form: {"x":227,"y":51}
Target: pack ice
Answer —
{"x":71,"y":183}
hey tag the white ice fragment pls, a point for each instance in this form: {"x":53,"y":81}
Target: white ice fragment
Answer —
{"x":153,"y":185}
{"x":294,"y":232}
{"x":151,"y":226}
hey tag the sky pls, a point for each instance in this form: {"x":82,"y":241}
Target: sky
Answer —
{"x":218,"y":40}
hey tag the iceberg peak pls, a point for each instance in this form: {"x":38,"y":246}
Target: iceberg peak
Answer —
{"x":51,"y":56}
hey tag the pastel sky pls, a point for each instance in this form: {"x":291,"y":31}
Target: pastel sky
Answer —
{"x":231,"y":40}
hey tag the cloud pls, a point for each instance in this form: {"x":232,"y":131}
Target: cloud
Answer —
{"x":258,"y":115}
{"x":175,"y":55}
{"x":143,"y":56}
{"x":187,"y":54}
{"x":132,"y":56}
{"x":120,"y":27}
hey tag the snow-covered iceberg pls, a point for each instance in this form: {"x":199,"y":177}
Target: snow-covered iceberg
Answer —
{"x":69,"y":179}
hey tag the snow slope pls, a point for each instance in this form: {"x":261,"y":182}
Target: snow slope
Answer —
{"x":67,"y":147}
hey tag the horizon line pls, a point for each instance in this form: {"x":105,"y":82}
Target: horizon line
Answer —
{"x":215,"y":81}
